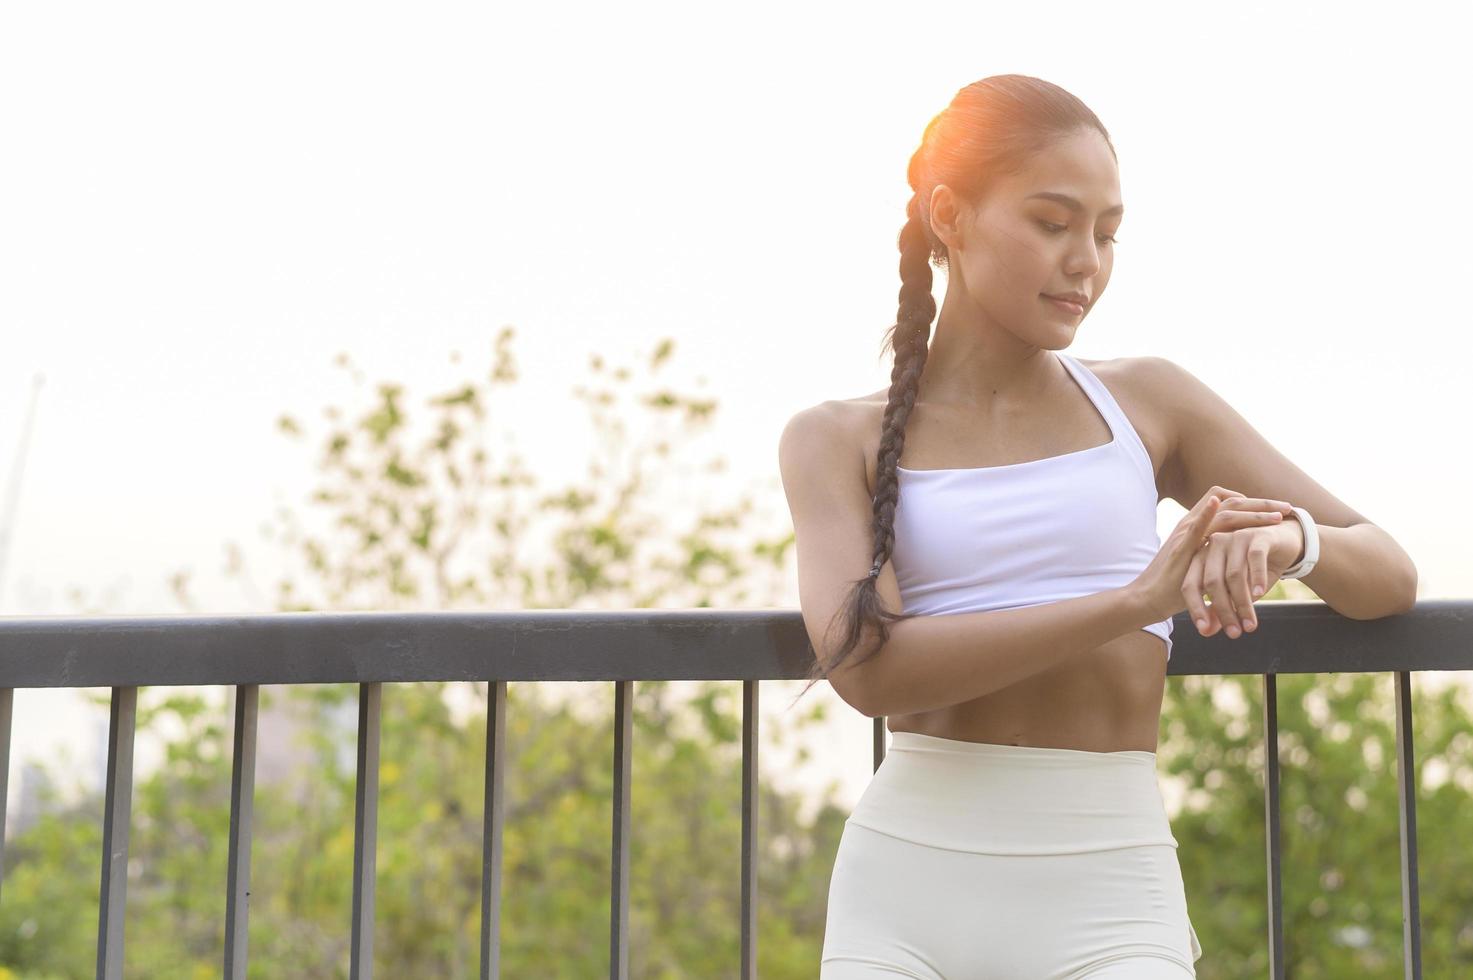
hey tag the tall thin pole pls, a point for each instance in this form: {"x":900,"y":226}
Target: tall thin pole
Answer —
{"x":12,"y":486}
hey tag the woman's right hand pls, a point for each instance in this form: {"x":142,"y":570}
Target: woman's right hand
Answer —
{"x":1159,"y":587}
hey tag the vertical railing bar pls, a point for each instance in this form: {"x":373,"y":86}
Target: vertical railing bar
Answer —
{"x":365,"y":830}
{"x":1271,"y":814}
{"x":1406,"y":790}
{"x":879,"y":740}
{"x":122,"y":717}
{"x":242,"y":809}
{"x":7,"y":703}
{"x":492,"y":819}
{"x":749,"y":829}
{"x":619,"y":898}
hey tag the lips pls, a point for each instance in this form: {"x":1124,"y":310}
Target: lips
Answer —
{"x":1077,"y":298}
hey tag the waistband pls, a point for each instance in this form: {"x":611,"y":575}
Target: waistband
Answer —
{"x":988,"y":798}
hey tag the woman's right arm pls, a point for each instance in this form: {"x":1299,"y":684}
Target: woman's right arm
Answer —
{"x":931,"y":662}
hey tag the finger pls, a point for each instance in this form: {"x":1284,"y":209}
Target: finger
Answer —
{"x":1214,"y":625}
{"x":1236,"y":574}
{"x":1207,"y":506}
{"x":1258,"y":551}
{"x":1200,"y":519}
{"x":1227,"y":520}
{"x":1240,"y":502}
{"x":1258,"y":569}
{"x":1191,"y":590}
{"x":1213,"y":581}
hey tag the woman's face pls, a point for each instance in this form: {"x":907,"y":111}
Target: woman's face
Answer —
{"x":1045,"y":231}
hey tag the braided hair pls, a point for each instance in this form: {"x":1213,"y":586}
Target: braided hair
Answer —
{"x":991,"y":128}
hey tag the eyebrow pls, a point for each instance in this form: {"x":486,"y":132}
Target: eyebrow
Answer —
{"x":1071,"y":203}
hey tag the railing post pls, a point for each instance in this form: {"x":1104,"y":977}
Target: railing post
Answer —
{"x":7,"y":702}
{"x":242,"y":807}
{"x":619,"y":914}
{"x":1271,"y":820}
{"x":492,"y":817}
{"x":879,"y":736}
{"x":1406,"y":793}
{"x":6,"y":705}
{"x":122,"y":715}
{"x":365,"y":831}
{"x":750,"y":810}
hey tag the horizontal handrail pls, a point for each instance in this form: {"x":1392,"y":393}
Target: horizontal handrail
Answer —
{"x":1294,"y":636}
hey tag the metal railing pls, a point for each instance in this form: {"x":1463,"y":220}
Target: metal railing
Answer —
{"x":373,"y":649}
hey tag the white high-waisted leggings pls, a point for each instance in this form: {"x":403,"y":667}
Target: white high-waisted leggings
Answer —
{"x":977,"y":861}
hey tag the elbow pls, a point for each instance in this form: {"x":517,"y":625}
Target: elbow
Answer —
{"x":1406,"y":593}
{"x":853,"y":693}
{"x":1410,"y":592}
{"x":873,"y":699}
{"x":1391,"y":594}
{"x":1394,"y":600}
{"x":1409,"y":583}
{"x":854,"y":682}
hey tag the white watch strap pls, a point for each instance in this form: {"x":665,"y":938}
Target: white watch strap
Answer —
{"x":1311,"y":546}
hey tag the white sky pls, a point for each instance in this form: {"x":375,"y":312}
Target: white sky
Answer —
{"x":199,"y":208}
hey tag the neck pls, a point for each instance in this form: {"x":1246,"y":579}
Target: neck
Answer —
{"x":974,"y":362}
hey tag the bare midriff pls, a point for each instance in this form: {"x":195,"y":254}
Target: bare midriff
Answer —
{"x":1105,"y":700}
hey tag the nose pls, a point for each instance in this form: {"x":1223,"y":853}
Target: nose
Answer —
{"x":1084,"y":260}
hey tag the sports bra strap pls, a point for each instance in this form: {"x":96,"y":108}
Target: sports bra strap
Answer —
{"x":1114,"y":416}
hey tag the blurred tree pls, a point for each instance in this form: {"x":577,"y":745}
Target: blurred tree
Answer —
{"x":1339,"y":822}
{"x":438,"y":525}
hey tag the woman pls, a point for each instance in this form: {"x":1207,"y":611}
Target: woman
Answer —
{"x":1016,"y":828}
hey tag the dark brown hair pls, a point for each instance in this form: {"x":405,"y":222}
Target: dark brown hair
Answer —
{"x":993,"y":127}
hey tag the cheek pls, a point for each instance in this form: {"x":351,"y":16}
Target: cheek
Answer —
{"x":1007,"y":270}
{"x":1020,"y":261}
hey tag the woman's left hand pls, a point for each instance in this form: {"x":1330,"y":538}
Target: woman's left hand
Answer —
{"x":1235,"y":568}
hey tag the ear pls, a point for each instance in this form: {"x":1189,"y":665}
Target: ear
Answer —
{"x":948,"y":215}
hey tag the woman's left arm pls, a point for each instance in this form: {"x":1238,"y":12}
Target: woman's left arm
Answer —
{"x":1362,"y":572}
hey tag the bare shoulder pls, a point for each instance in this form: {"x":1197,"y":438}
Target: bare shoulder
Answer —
{"x":1149,"y":371}
{"x":841,"y":420}
{"x":1142,"y":377}
{"x":1213,"y":444}
{"x":1136,"y":377}
{"x":832,"y":434}
{"x":1144,"y":387}
{"x":823,"y":431}
{"x":823,"y":422}
{"x":1166,"y":392}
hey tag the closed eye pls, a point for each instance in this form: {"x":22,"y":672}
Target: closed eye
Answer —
{"x":1055,"y":229}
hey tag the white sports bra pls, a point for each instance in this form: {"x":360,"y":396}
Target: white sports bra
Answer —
{"x":1024,"y":534}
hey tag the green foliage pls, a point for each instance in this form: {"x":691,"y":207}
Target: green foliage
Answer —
{"x":1338,"y":824}
{"x":402,"y":514}
{"x":440,"y":522}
